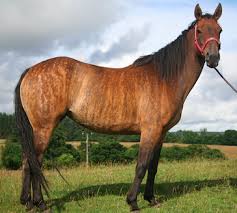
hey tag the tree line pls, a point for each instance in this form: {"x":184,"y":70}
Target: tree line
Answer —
{"x":61,"y":154}
{"x":75,"y":132}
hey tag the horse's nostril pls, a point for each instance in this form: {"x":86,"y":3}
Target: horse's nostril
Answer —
{"x":207,"y":57}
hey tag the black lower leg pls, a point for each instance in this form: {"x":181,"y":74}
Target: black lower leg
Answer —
{"x":152,"y":170}
{"x":142,"y":164}
{"x":38,"y":199}
{"x":25,"y":197}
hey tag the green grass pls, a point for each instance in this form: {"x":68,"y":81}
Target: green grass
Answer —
{"x":190,"y":186}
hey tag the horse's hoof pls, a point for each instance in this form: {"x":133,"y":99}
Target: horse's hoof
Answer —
{"x":33,"y":210}
{"x":42,"y":206}
{"x":48,"y":210}
{"x":134,"y":207}
{"x":135,"y":211}
{"x":158,"y":205}
{"x":155,"y":203}
{"x":29,"y":206}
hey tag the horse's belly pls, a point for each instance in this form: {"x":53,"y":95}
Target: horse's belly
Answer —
{"x":100,"y":124}
{"x":105,"y":118}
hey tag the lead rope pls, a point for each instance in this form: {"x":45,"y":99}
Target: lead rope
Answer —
{"x":232,"y":87}
{"x":64,"y":179}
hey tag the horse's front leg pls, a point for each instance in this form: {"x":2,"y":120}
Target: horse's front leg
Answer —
{"x":149,"y":138}
{"x":152,"y":170}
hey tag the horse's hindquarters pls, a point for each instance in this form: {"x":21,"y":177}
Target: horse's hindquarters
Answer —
{"x":44,"y":94}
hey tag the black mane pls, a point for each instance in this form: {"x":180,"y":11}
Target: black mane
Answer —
{"x":169,"y":60}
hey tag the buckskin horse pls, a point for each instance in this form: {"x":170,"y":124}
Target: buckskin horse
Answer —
{"x":143,"y":98}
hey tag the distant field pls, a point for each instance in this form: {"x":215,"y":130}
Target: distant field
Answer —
{"x":2,"y":142}
{"x":190,"y":186}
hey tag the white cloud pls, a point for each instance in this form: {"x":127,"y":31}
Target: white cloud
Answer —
{"x":126,"y":44}
{"x":36,"y":27}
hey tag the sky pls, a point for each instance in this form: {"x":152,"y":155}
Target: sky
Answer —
{"x":114,"y":33}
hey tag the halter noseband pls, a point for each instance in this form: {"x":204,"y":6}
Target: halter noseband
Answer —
{"x":202,"y":48}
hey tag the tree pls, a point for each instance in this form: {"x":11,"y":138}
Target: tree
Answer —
{"x":230,"y":137}
{"x":12,"y":152}
{"x":107,"y":151}
{"x":7,"y":125}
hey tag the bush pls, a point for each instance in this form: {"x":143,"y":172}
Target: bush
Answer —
{"x":175,"y":153}
{"x":11,"y":156}
{"x":192,"y":151}
{"x":204,"y":151}
{"x":109,"y":151}
{"x":178,"y":153}
{"x":131,"y":153}
{"x":59,"y":152}
{"x":65,"y":160}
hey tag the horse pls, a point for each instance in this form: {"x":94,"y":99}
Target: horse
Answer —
{"x":143,"y":98}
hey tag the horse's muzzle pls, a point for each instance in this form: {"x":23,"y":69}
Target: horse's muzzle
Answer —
{"x":212,"y":60}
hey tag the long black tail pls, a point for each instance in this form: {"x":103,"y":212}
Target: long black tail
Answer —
{"x":27,"y":136}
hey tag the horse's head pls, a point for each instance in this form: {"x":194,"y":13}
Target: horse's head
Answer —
{"x":207,"y":35}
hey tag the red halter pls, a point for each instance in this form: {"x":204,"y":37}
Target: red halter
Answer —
{"x":201,"y":49}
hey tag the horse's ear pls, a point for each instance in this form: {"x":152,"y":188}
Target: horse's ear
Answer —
{"x":218,"y":12}
{"x":198,"y":12}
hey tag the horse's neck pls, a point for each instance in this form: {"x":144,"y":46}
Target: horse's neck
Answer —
{"x":192,"y":69}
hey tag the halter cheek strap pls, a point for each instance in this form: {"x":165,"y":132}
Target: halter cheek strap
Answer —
{"x":202,"y":48}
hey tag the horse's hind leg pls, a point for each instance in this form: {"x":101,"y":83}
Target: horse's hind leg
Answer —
{"x":26,"y":185}
{"x":41,"y":140}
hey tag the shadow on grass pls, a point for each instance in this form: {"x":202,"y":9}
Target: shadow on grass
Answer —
{"x":165,"y":191}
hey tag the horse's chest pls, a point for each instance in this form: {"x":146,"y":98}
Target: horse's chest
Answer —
{"x":172,"y":116}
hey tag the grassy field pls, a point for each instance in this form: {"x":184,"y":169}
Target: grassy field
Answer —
{"x":191,"y":186}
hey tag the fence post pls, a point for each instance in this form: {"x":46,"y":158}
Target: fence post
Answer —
{"x":87,"y":150}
